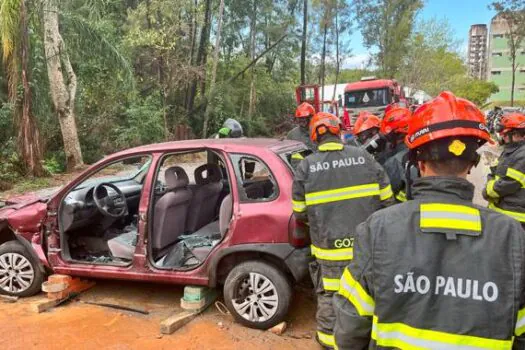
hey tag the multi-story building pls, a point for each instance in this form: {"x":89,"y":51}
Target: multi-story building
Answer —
{"x":499,"y":62}
{"x":477,"y":51}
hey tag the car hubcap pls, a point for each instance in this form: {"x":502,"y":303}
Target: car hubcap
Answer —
{"x":16,"y":273}
{"x":257,"y":298}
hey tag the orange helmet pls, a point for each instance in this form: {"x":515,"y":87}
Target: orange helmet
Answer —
{"x":396,"y":120}
{"x":304,"y":110}
{"x":446,"y":116}
{"x":366,"y":121}
{"x":511,"y":121}
{"x":322,"y":123}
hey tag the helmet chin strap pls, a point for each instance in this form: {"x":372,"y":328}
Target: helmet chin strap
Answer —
{"x":412,"y":163}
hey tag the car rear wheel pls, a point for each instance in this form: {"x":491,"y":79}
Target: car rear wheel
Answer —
{"x":20,"y":275}
{"x":257,"y":294}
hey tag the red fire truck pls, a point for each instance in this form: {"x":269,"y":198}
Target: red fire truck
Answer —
{"x":372,"y":95}
{"x":311,"y":94}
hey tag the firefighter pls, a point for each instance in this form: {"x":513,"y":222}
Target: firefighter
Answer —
{"x":436,"y":272}
{"x":505,"y":190}
{"x":303,"y":116}
{"x":366,"y":126}
{"x":366,"y":130}
{"x":394,"y":127}
{"x":334,"y":190}
{"x":231,"y":128}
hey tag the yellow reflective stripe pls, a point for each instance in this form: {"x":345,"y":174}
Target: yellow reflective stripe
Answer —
{"x":340,"y":254}
{"x":399,"y":335}
{"x":513,"y":214}
{"x":299,"y":206}
{"x":331,"y":146}
{"x":450,"y":216}
{"x":356,"y":294}
{"x":490,"y":189}
{"x":516,"y":175}
{"x":340,"y":194}
{"x":331,"y":284}
{"x":297,"y":156}
{"x":520,"y":323}
{"x":386,"y":193}
{"x":326,"y":339}
{"x":401,"y":196}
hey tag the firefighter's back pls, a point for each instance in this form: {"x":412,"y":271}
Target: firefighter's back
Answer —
{"x":444,"y":269}
{"x":344,"y":186}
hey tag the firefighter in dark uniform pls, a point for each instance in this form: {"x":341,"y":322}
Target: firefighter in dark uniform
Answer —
{"x":334,"y":190}
{"x":436,"y":272}
{"x":366,"y":130}
{"x":505,"y":190}
{"x":394,"y":128}
{"x":301,"y":133}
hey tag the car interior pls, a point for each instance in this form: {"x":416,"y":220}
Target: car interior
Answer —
{"x":190,"y":208}
{"x":190,"y":217}
{"x":102,"y":208}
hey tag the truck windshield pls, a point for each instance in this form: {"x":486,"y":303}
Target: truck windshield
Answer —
{"x":367,"y":98}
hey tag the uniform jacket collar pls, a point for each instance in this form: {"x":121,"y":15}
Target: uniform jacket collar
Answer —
{"x":443,"y":188}
{"x":331,"y":144}
{"x":511,"y":147}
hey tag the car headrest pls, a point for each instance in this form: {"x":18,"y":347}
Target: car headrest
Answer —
{"x":213,"y":174}
{"x":176,"y":177}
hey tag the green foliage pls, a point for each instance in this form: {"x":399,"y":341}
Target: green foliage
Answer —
{"x":136,"y":64}
{"x":475,"y":90}
{"x":143,"y":124}
{"x":431,"y":62}
{"x":54,"y":165}
{"x":350,"y":75}
{"x":386,"y":25}
{"x":11,"y":167}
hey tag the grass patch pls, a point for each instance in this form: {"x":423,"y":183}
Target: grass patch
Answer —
{"x":32,"y":184}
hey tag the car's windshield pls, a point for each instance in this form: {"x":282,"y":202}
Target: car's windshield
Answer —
{"x":367,"y":98}
{"x":124,"y":170}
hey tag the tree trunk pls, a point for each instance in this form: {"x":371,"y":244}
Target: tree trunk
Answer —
{"x":303,"y":42}
{"x":211,"y":94}
{"x":323,"y":59}
{"x":201,"y":52}
{"x":62,"y":84}
{"x":514,"y":66}
{"x":253,"y":30}
{"x":29,"y":142}
{"x":336,"y":52}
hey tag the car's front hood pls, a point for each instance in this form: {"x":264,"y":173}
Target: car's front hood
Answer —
{"x":31,"y":204}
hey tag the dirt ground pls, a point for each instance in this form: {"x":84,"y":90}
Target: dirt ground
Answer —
{"x":79,"y":326}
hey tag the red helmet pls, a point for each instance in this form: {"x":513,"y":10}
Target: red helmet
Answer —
{"x":396,"y":120}
{"x":511,"y":121}
{"x":366,"y":121}
{"x":390,"y":107}
{"x":322,"y":123}
{"x":446,"y":116}
{"x":304,"y":110}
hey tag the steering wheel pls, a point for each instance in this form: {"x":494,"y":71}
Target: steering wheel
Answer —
{"x":114,"y":206}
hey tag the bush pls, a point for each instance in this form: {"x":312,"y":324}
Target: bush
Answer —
{"x":54,"y":164}
{"x":10,"y":166}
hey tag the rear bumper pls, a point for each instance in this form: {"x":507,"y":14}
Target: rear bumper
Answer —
{"x":298,"y":262}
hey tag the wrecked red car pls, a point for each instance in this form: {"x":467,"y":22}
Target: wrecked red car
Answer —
{"x":200,"y":212}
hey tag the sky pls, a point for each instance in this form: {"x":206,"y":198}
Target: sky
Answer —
{"x":461,"y":14}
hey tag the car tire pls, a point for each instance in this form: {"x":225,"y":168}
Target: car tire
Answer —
{"x":265,"y":305}
{"x":20,"y":274}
